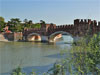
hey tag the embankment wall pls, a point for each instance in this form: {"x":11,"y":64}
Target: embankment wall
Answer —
{"x":16,"y":36}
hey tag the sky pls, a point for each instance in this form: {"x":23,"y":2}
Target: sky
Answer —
{"x":51,"y":11}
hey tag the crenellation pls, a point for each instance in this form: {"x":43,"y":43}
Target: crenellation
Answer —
{"x":95,"y":23}
{"x":66,"y":26}
{"x":92,"y":23}
{"x":80,"y":27}
{"x":85,"y":21}
{"x":56,"y":27}
{"x":76,"y":21}
{"x":89,"y":21}
{"x":63,"y":26}
{"x":71,"y":26}
{"x":99,"y":23}
{"x":81,"y":21}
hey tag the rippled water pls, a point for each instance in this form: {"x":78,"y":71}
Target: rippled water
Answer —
{"x":30,"y":55}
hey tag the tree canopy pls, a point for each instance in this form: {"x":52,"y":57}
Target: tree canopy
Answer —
{"x":2,"y":19}
{"x":16,"y":25}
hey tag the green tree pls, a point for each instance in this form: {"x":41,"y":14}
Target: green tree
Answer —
{"x":15,"y":25}
{"x":37,"y":25}
{"x":86,"y":56}
{"x":42,"y":22}
{"x":28,"y":23}
{"x":2,"y":24}
{"x":18,"y":71}
{"x":94,"y":54}
{"x":2,"y":19}
{"x":25,"y":20}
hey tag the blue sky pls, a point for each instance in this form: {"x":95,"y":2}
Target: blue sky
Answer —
{"x":51,"y":11}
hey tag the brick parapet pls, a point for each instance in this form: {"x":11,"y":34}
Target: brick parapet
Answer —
{"x":80,"y":28}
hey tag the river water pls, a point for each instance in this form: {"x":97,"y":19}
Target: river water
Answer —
{"x":30,"y":55}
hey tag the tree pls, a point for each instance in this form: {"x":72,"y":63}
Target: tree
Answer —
{"x":1,"y":19}
{"x":14,"y":22}
{"x":42,"y":22}
{"x":94,"y":54}
{"x":37,"y":25}
{"x":2,"y":24}
{"x":86,"y":56}
{"x":28,"y":23}
{"x":25,"y":20}
{"x":15,"y":25}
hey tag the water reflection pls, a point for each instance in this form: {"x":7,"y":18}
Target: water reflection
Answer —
{"x":29,"y":55}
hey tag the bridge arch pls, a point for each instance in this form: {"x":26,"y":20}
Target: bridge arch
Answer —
{"x":34,"y":37}
{"x":56,"y":35}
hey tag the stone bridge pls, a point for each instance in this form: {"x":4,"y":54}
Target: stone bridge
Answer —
{"x":51,"y":32}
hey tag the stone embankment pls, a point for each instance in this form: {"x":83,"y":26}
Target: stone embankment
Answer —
{"x":2,"y":38}
{"x":16,"y":36}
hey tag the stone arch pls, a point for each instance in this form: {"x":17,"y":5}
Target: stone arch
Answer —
{"x":56,"y":35}
{"x":34,"y":37}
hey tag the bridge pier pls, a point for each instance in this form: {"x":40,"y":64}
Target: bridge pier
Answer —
{"x":79,"y":28}
{"x":48,"y":39}
{"x":44,"y":38}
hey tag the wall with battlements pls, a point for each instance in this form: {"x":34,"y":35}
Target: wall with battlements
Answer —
{"x":80,"y":27}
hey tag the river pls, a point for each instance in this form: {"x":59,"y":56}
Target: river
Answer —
{"x":31,"y":55}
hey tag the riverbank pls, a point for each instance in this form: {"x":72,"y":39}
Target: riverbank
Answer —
{"x":2,"y":38}
{"x":15,"y":36}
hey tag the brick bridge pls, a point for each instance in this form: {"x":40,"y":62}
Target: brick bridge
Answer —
{"x":51,"y":32}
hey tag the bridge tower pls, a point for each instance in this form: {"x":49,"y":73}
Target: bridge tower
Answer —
{"x":43,"y":28}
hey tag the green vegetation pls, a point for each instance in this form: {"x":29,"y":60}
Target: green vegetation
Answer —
{"x":57,"y":69}
{"x":84,"y":59}
{"x":16,"y":25}
{"x":2,"y":23}
{"x":86,"y":56}
{"x":2,"y":19}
